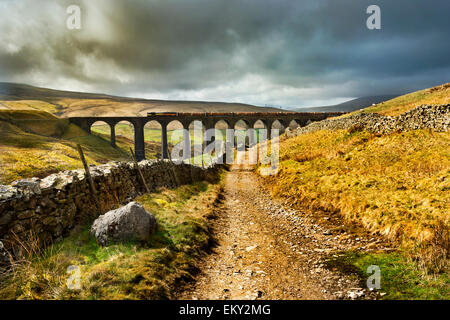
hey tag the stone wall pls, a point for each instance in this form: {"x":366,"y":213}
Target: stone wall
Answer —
{"x":436,"y":118}
{"x":52,"y":206}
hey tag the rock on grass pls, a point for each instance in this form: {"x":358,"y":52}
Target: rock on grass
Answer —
{"x":131,"y":222}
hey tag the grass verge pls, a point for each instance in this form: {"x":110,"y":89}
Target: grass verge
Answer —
{"x":400,"y":277}
{"x":394,"y":185}
{"x":124,"y":271}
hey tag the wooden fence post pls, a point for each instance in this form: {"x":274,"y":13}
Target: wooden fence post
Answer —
{"x":88,"y":173}
{"x":139,"y":170}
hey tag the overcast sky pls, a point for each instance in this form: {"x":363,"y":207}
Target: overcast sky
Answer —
{"x":265,"y":52}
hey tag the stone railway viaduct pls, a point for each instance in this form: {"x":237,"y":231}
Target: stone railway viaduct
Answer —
{"x":209,"y":121}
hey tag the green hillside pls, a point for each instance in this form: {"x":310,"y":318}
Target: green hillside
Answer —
{"x":36,"y":143}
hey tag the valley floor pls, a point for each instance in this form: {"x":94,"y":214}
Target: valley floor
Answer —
{"x":229,"y":240}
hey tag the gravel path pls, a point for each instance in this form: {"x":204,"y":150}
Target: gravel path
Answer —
{"x":268,"y":250}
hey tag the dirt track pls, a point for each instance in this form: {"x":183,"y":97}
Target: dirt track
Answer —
{"x":267,"y":251}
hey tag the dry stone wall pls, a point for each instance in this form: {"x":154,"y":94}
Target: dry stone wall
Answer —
{"x":51,"y":207}
{"x":434,"y":117}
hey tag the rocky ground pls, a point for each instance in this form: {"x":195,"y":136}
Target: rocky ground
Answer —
{"x":434,"y":117}
{"x":267,"y":249}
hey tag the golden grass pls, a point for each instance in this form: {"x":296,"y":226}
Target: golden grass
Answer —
{"x":69,"y":105}
{"x":35,"y":144}
{"x":34,"y":105}
{"x":399,"y":105}
{"x":396,"y":185}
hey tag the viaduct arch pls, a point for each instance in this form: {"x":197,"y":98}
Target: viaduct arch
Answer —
{"x":209,"y":120}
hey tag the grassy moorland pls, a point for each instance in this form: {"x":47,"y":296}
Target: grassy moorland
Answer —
{"x":14,"y":96}
{"x":36,"y":144}
{"x":396,"y":186}
{"x":399,"y":105}
{"x":123,"y":271}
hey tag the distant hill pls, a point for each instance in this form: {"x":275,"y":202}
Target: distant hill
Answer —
{"x":19,"y":91}
{"x":349,"y":106}
{"x":15,"y":96}
{"x":435,"y":95}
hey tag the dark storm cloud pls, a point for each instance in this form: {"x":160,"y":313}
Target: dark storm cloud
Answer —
{"x":256,"y":51}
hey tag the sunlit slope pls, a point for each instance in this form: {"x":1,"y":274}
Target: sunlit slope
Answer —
{"x":396,"y":185}
{"x":399,"y":105}
{"x":35,"y":144}
{"x":77,"y":104}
